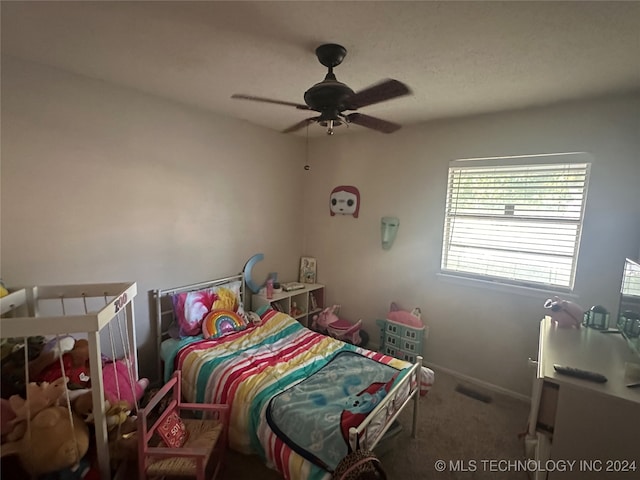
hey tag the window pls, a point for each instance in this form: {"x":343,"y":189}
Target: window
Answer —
{"x":516,"y":219}
{"x":631,"y":279}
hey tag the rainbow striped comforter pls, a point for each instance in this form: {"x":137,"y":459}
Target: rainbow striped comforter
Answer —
{"x":247,"y":369}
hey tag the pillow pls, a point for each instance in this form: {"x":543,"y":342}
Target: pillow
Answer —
{"x":229,"y":298}
{"x":222,"y":322}
{"x":173,"y":431}
{"x":190,"y":308}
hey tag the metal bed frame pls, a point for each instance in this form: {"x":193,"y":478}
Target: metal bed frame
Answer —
{"x":364,"y":436}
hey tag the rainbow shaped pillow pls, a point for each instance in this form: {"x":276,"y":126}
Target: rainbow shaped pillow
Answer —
{"x":219,"y":323}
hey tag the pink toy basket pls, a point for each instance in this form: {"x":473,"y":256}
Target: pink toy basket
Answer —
{"x":345,"y":331}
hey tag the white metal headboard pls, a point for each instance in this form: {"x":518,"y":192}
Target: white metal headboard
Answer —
{"x":164,"y":307}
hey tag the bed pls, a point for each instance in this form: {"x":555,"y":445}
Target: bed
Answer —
{"x":276,"y":372}
{"x":89,"y":310}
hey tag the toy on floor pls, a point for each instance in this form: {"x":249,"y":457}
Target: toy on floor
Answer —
{"x":328,"y":322}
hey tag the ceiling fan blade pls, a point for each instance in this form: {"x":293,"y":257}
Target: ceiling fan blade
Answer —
{"x":300,"y":125}
{"x":372,"y":122}
{"x":380,"y":92}
{"x":241,"y":96}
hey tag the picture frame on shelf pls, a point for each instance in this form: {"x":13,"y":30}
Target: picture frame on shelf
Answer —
{"x":307,"y":270}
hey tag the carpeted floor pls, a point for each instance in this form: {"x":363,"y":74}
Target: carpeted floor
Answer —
{"x":474,"y":439}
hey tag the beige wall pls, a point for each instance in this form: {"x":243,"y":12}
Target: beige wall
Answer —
{"x":477,"y":331}
{"x":101,"y":183}
{"x":106,"y":184}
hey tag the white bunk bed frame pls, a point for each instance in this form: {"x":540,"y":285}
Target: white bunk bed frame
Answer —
{"x":361,"y":437}
{"x":15,"y":323}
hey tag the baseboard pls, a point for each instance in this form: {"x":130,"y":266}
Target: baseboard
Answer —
{"x":480,"y":383}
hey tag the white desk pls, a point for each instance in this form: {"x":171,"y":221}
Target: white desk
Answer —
{"x":594,"y":424}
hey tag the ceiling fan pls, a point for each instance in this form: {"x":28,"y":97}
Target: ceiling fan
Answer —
{"x":331,"y":98}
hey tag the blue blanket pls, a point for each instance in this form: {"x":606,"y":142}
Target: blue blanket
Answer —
{"x":314,"y":416}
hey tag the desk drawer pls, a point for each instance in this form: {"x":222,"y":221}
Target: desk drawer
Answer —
{"x":548,"y":405}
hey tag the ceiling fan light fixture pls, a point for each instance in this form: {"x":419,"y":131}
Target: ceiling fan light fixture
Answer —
{"x":332,"y":98}
{"x":331,"y":122}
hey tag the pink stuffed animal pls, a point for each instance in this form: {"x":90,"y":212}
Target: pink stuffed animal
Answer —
{"x":118,"y":382}
{"x":117,"y":392}
{"x":564,"y":313}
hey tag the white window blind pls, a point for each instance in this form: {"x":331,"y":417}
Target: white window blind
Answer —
{"x":516,"y":220}
{"x":631,"y":279}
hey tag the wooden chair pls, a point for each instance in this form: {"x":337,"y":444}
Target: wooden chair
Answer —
{"x":202,"y":454}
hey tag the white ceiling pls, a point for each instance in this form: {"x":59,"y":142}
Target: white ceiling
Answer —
{"x":459,"y":58}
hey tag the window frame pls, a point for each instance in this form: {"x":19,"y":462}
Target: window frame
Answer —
{"x":515,"y":161}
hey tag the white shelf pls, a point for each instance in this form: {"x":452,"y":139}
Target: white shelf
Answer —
{"x":302,"y":298}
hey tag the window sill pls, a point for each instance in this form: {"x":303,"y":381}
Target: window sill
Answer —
{"x":503,"y":287}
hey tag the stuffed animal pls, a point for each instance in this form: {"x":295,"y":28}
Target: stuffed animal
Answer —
{"x":564,"y":313}
{"x":252,"y":318}
{"x":117,"y":392}
{"x":12,"y":350}
{"x":39,"y":397}
{"x":411,"y":318}
{"x":123,"y":442}
{"x":116,"y":377}
{"x":47,"y":368}
{"x":226,"y":300}
{"x":6,"y":416}
{"x":55,"y":442}
{"x":116,"y":414}
{"x":117,"y":380}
